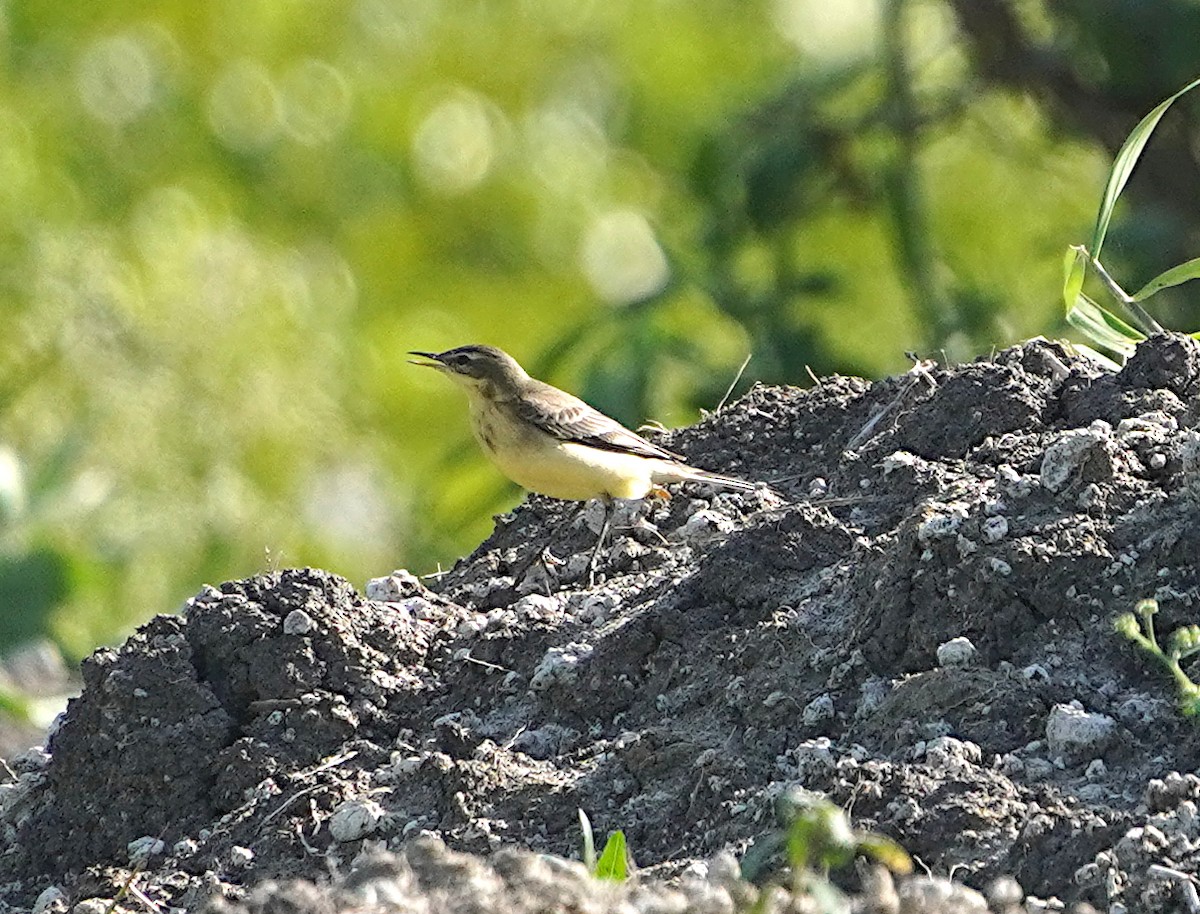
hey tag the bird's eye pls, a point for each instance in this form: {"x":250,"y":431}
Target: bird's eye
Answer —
{"x":462,"y":360}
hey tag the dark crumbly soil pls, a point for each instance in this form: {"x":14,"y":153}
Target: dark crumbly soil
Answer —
{"x":734,"y":648}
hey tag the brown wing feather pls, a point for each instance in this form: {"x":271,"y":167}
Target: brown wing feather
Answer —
{"x":568,"y":418}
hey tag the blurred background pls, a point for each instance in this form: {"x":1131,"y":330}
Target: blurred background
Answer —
{"x":222,"y":225}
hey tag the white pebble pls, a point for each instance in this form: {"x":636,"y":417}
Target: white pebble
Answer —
{"x":391,"y":588}
{"x":354,"y":819}
{"x":956,"y":652}
{"x":298,"y":622}
{"x":142,"y":849}
{"x":1073,"y":733}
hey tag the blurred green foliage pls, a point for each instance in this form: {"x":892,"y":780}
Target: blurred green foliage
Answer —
{"x":222,"y":224}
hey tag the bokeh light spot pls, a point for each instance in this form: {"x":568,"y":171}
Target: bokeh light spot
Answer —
{"x":830,"y":32}
{"x":399,"y":26}
{"x":622,"y":259}
{"x":567,"y":149}
{"x":165,"y":222}
{"x":455,"y":145}
{"x":316,"y":102}
{"x":116,"y":79}
{"x":244,"y":111}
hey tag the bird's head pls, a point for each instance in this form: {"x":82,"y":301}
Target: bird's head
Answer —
{"x":484,"y":369}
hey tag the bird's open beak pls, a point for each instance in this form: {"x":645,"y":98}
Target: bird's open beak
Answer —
{"x":434,"y":361}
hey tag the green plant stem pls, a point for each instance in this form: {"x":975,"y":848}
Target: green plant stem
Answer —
{"x":1189,"y":691}
{"x":906,"y":196}
{"x":1140,"y":315}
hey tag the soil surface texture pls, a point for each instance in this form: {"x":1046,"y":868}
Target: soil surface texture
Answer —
{"x":915,"y":619}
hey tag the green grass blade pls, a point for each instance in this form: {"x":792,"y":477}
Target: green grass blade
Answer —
{"x":1172,"y":277}
{"x":1124,"y":163}
{"x":589,"y":841}
{"x":1096,"y":356}
{"x":612,"y":864}
{"x":1075,"y":264}
{"x":1102,"y":326}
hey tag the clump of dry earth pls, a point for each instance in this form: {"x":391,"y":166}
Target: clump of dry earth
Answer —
{"x":915,"y":620}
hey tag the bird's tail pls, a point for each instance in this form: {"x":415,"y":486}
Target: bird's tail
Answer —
{"x":681,"y":472}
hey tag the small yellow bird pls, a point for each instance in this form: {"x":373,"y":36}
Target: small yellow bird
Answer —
{"x":550,"y":442}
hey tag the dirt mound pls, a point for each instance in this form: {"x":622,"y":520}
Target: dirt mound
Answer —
{"x":915,"y":619}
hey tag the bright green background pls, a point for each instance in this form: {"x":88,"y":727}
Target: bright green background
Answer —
{"x":223,"y":223}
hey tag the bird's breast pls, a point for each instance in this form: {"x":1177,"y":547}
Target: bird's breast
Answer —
{"x":539,"y":462}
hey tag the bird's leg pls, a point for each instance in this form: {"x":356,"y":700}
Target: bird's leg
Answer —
{"x":544,"y":563}
{"x":608,"y":509}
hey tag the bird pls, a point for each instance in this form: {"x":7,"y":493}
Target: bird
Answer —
{"x":551,"y":442}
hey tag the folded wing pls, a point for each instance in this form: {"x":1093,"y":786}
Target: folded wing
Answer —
{"x":568,"y":418}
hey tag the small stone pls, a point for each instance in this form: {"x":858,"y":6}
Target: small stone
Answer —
{"x":559,"y":665}
{"x":999,"y":566}
{"x":185,"y":847}
{"x":1082,"y":453}
{"x":353,"y":820}
{"x":538,"y":607}
{"x":393,"y":587}
{"x":1075,"y":734}
{"x":51,"y":900}
{"x":814,"y":758}
{"x":899,"y":460}
{"x":1038,"y":769}
{"x":774,"y":698}
{"x":240,"y":857}
{"x":941,"y":521}
{"x":298,"y":622}
{"x":994,"y":529}
{"x":595,"y":608}
{"x":948,"y":754}
{"x":872,"y":693}
{"x":93,"y":906}
{"x":471,"y":626}
{"x":956,"y":652}
{"x":818,"y":711}
{"x":143,"y":848}
{"x":705,"y":526}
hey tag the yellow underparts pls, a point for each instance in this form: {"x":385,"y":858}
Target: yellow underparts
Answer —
{"x":575,"y":471}
{"x":561,"y":469}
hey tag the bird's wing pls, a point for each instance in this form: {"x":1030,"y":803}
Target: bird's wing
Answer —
{"x":568,"y":418}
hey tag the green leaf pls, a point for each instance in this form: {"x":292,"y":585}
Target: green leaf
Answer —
{"x":1075,"y":264}
{"x":1172,"y":277}
{"x":886,"y":851}
{"x":1124,"y":163}
{"x":612,"y":863}
{"x":16,"y":706}
{"x":820,"y":836}
{"x":1102,"y":327}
